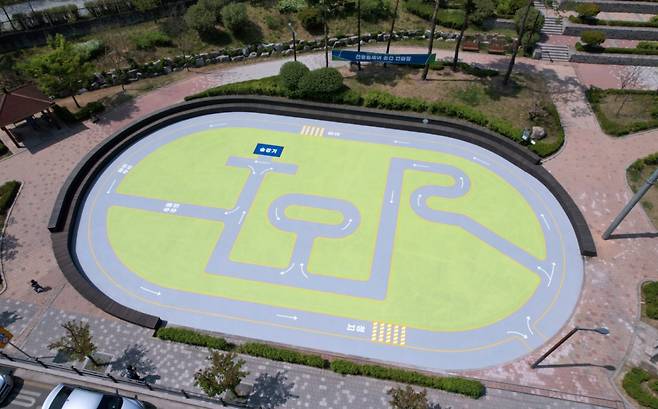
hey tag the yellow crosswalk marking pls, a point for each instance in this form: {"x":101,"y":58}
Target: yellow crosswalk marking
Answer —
{"x":374,"y":331}
{"x":387,"y":333}
{"x":312,"y":130}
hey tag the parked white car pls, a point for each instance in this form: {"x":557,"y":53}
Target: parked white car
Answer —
{"x":72,"y":397}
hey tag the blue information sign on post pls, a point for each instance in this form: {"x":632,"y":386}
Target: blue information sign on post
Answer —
{"x":405,"y":59}
{"x":268,"y":150}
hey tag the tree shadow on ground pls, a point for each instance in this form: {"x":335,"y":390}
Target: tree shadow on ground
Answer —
{"x":249,"y":33}
{"x":216,"y":37}
{"x":35,"y":140}
{"x":376,"y":74}
{"x":10,"y":247}
{"x":9,"y":317}
{"x":577,"y":365}
{"x":647,"y":235}
{"x":121,"y":106}
{"x":270,"y":392}
{"x":135,"y":355}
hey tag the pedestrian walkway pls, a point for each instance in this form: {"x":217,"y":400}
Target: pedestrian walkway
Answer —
{"x":275,"y":384}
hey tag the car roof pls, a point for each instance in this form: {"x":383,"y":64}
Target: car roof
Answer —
{"x":77,"y":399}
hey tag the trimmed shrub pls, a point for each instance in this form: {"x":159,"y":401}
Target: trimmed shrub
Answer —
{"x":632,"y":384}
{"x":151,"y":39}
{"x":507,"y":8}
{"x":89,"y":49}
{"x":311,"y":18}
{"x":200,"y":18}
{"x":592,"y":38}
{"x":467,"y":387}
{"x":291,"y":74}
{"x":282,"y":355}
{"x":8,"y":193}
{"x":320,"y":82}
{"x":649,"y":290}
{"x":88,"y":110}
{"x":290,"y":6}
{"x":588,"y":11}
{"x":648,"y":45}
{"x":483,"y":10}
{"x":234,"y":17}
{"x":191,"y":337}
{"x":373,"y":10}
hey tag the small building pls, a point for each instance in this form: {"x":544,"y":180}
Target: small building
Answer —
{"x":22,"y":104}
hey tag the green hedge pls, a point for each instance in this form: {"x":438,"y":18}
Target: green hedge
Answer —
{"x":191,"y":337}
{"x":452,"y":18}
{"x":271,"y":86}
{"x":467,"y":387}
{"x":8,"y":193}
{"x":616,"y":50}
{"x":649,"y":290}
{"x":618,"y":23}
{"x":632,"y":384}
{"x":596,"y":95}
{"x":282,"y":355}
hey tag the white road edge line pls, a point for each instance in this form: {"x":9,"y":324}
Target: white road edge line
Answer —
{"x":150,"y":291}
{"x":288,"y":270}
{"x":548,"y":226}
{"x":416,"y":165}
{"x":111,"y":186}
{"x":527,"y":322}
{"x":290,"y":317}
{"x":347,"y":225}
{"x":475,"y":158}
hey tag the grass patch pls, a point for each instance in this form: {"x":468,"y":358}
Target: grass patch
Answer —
{"x":635,"y":383}
{"x":467,"y":387}
{"x":8,"y":192}
{"x":473,"y":94}
{"x":621,"y":112}
{"x":636,"y":174}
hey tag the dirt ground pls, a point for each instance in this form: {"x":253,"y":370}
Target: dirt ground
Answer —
{"x":650,"y":200}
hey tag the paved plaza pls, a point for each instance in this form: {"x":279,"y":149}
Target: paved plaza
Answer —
{"x":591,"y":166}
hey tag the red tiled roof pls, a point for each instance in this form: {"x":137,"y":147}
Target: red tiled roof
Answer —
{"x":21,"y":103}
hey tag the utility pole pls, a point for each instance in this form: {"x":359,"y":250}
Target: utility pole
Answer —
{"x":602,"y":331}
{"x":629,"y":206}
{"x":390,"y":33}
{"x":431,"y":44}
{"x":358,"y":30}
{"x":294,"y":42}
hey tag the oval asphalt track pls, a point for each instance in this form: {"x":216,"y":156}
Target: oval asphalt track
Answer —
{"x":512,"y":337}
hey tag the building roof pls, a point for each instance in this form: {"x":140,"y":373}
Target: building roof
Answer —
{"x":21,"y":103}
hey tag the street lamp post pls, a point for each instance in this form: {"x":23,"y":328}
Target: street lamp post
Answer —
{"x":294,"y":42}
{"x":602,"y":331}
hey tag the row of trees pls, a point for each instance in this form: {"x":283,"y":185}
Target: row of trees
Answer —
{"x":224,"y":372}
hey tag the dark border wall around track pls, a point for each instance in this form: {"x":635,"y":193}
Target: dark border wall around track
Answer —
{"x":63,"y":219}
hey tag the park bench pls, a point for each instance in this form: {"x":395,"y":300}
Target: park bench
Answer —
{"x":470,"y":45}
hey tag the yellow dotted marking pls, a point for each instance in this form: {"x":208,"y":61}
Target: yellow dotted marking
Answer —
{"x":396,"y":330}
{"x":374,"y":331}
{"x":386,"y":333}
{"x":403,"y":335}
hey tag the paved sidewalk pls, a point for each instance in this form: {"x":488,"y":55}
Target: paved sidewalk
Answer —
{"x":591,"y":166}
{"x":276,"y":385}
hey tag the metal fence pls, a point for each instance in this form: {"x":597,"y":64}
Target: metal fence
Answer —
{"x":123,"y":381}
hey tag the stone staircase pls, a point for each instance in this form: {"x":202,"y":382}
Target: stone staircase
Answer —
{"x":554,"y":52}
{"x":552,"y":25}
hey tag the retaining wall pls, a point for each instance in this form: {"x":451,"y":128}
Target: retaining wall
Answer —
{"x":616,"y":32}
{"x":615,"y":59}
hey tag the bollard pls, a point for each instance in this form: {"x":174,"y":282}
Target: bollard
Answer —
{"x":79,"y":372}
{"x":7,"y":356}
{"x":112,"y":377}
{"x":41,"y":363}
{"x":185,"y":394}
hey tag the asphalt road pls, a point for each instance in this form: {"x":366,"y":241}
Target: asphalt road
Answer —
{"x":27,"y":394}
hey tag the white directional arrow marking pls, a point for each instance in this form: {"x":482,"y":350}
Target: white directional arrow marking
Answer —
{"x":288,"y":270}
{"x":549,"y":276}
{"x":548,"y":226}
{"x":261,"y":162}
{"x":242,"y":217}
{"x":232,"y":211}
{"x":276,"y":213}
{"x":253,"y":171}
{"x":527,"y":322}
{"x":461,"y":182}
{"x":416,"y":165}
{"x":111,"y":186}
{"x":475,"y":158}
{"x":301,"y":265}
{"x":400,"y":142}
{"x":150,"y":291}
{"x":524,"y":336}
{"x":290,"y":317}
{"x":347,"y":225}
{"x":418,"y":200}
{"x":266,"y":170}
{"x":392,"y":197}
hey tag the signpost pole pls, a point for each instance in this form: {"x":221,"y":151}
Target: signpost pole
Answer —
{"x":21,"y":351}
{"x":358,"y":30}
{"x":652,"y":180}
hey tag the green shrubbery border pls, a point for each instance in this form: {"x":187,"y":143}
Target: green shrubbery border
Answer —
{"x":595,"y":96}
{"x":613,"y":23}
{"x":650,"y":289}
{"x":467,"y":387}
{"x":632,"y":384}
{"x":270,"y":86}
{"x":615,"y":50}
{"x":8,"y":193}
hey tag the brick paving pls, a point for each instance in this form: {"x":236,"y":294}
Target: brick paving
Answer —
{"x":591,"y":167}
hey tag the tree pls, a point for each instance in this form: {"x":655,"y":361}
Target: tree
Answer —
{"x":481,"y":10}
{"x":199,"y":19}
{"x":469,"y":6}
{"x":325,"y":11}
{"x":77,"y":342}
{"x":408,"y":398}
{"x":390,"y":32}
{"x":592,"y":38}
{"x":224,"y":373}
{"x":189,"y":43}
{"x":431,"y":43}
{"x":587,"y":11}
{"x":533,"y":25}
{"x":62,"y":71}
{"x":118,"y":56}
{"x":515,"y":47}
{"x":631,"y":77}
{"x":234,"y":16}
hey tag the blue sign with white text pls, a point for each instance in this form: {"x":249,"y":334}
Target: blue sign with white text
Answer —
{"x":268,"y":150}
{"x":406,"y":59}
